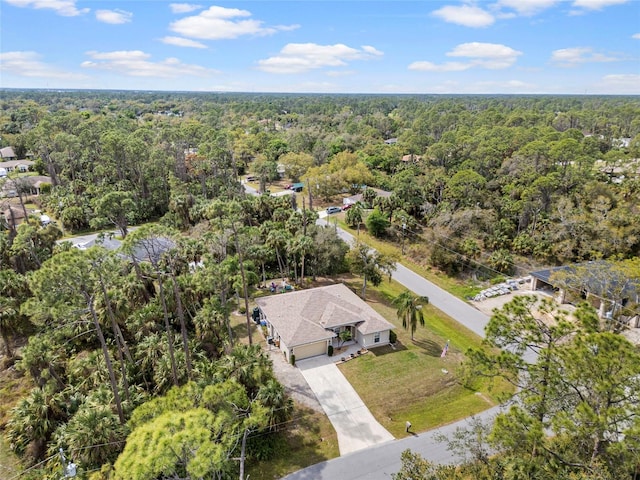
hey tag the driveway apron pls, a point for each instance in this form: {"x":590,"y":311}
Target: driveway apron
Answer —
{"x":355,"y":425}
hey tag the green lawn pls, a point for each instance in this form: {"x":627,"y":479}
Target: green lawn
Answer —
{"x":418,"y":385}
{"x":405,"y":383}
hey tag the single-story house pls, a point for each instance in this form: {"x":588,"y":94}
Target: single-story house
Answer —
{"x":14,"y":216}
{"x":391,"y":141}
{"x":352,"y":200}
{"x":7,"y":153}
{"x":146,"y":250}
{"x":411,"y":158}
{"x":304,"y":323}
{"x":606,"y":290}
{"x":21,"y":166}
{"x":29,"y":185}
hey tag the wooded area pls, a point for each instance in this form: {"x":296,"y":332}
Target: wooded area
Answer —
{"x":124,"y":342}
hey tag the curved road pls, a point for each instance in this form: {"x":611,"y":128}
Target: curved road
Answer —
{"x":379,"y":462}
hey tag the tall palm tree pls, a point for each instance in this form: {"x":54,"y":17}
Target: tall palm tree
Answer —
{"x":410,"y":310}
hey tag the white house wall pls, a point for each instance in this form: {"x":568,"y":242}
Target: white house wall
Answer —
{"x":368,"y":341}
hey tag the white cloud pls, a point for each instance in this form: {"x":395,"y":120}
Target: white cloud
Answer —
{"x":515,"y":86}
{"x":425,"y":66}
{"x":136,"y":63}
{"x":488,"y":55}
{"x":302,"y":57}
{"x":569,"y":57}
{"x":182,"y":42}
{"x":218,"y":23}
{"x":340,"y":73}
{"x":492,"y":56}
{"x":636,"y":36}
{"x":114,"y":17}
{"x":628,"y":83}
{"x":597,"y":4}
{"x":184,"y":7}
{"x":372,"y":50}
{"x":65,"y":8}
{"x":466,"y":15}
{"x":527,"y":7}
{"x":28,"y":64}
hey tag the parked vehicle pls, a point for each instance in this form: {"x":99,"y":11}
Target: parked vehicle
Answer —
{"x":347,"y":206}
{"x":331,"y":210}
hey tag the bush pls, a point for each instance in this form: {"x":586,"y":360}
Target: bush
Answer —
{"x":293,"y":359}
{"x":393,"y":338}
{"x":330,"y":351}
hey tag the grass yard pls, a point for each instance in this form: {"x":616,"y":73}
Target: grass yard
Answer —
{"x":405,"y":383}
{"x":419,"y":386}
{"x":9,"y":464}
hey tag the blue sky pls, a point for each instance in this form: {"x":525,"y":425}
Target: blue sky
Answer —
{"x":350,"y":46}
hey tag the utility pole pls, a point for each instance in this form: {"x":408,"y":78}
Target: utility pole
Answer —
{"x":69,"y":469}
{"x":242,"y":453}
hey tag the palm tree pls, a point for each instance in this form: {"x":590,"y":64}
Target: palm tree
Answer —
{"x":9,"y":315}
{"x":353,"y":216}
{"x":410,"y":310}
{"x":273,"y":396}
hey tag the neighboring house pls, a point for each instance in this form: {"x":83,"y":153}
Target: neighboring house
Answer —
{"x":7,"y":153}
{"x":147,"y":250}
{"x":21,"y":166}
{"x":304,"y":323}
{"x":411,"y":158}
{"x":30,"y":185}
{"x":14,"y":216}
{"x":606,"y":290}
{"x":352,"y":200}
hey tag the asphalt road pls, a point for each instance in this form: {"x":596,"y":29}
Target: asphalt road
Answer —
{"x":457,"y":309}
{"x":379,"y":462}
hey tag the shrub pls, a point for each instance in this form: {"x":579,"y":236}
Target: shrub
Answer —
{"x":330,"y":351}
{"x":293,"y":359}
{"x":393,"y":337}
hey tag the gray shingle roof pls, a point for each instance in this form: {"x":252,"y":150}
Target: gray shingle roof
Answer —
{"x":304,"y":316}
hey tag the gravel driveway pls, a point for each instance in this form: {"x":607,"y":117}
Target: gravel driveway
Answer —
{"x":294,"y":383}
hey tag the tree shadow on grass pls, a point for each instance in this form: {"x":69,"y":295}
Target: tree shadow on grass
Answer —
{"x":431,"y":348}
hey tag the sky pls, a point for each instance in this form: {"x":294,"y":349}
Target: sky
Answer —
{"x":318,"y":46}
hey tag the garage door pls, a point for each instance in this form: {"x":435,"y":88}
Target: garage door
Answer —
{"x":311,"y":350}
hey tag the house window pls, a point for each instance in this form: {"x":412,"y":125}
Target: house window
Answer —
{"x":376,"y":337}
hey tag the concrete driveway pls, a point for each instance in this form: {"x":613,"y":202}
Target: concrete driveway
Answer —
{"x":355,"y":425}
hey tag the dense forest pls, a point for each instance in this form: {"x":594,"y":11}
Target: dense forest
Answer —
{"x":124,"y":343}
